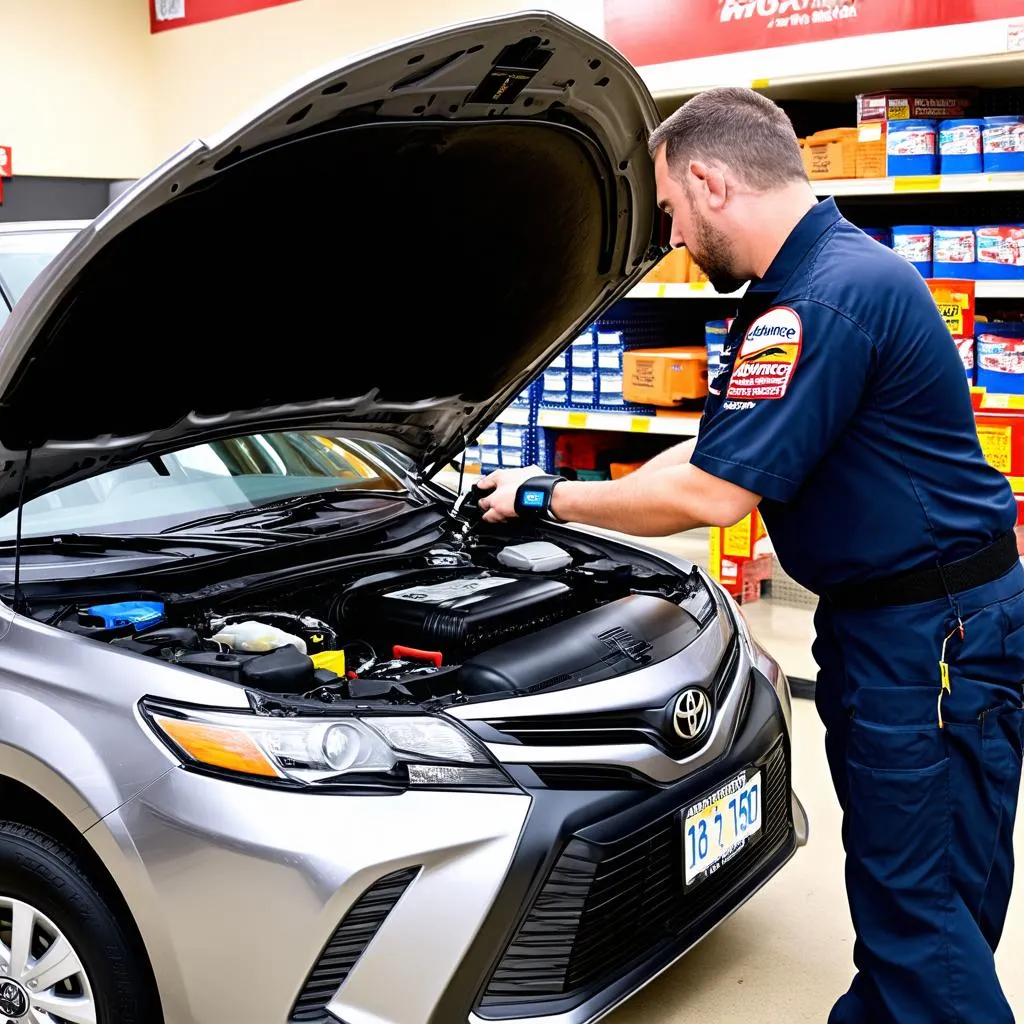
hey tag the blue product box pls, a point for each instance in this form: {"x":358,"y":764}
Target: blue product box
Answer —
{"x":914,"y":243}
{"x":1000,"y":251}
{"x":555,"y":388}
{"x":1003,"y":144}
{"x":960,"y":146}
{"x":609,"y":351}
{"x":583,"y":388}
{"x":912,"y":147}
{"x":999,"y":357}
{"x":609,"y":394}
{"x":954,"y":253}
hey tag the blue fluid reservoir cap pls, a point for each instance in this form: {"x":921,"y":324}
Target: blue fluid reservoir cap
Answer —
{"x":139,"y":614}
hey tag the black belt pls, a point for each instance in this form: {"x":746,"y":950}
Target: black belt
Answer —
{"x":918,"y":586}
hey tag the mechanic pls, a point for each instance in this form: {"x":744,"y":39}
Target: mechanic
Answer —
{"x":842,"y":412}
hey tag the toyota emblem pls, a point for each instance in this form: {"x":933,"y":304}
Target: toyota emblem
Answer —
{"x":692,"y":714}
{"x":14,"y":1002}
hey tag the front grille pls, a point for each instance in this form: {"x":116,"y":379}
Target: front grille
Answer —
{"x":602,"y":728}
{"x":603,"y":910}
{"x":347,"y":945}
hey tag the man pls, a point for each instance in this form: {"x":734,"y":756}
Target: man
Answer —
{"x":842,"y":412}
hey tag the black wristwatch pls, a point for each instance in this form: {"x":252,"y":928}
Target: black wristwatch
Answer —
{"x":533,"y":498}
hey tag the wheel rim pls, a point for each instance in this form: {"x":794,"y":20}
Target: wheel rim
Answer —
{"x":42,"y":978}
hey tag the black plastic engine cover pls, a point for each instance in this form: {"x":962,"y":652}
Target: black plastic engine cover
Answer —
{"x":608,"y":641}
{"x":460,"y":616}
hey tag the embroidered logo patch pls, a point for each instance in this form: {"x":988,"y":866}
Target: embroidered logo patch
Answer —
{"x":767,"y":358}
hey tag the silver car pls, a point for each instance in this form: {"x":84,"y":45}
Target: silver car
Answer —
{"x":286,"y":733}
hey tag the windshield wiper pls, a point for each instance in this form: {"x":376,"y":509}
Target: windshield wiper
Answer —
{"x":286,"y":513}
{"x":101,"y":543}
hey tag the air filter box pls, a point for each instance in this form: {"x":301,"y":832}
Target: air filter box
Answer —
{"x":459,"y":616}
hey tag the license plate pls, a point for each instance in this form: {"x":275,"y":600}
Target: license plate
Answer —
{"x":718,"y":827}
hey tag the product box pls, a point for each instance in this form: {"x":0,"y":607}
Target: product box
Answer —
{"x":845,"y":153}
{"x":735,"y":559}
{"x":664,"y":376}
{"x":673,"y":268}
{"x":1002,"y":440}
{"x":1000,"y":362}
{"x":915,"y":104}
{"x":956,"y":302}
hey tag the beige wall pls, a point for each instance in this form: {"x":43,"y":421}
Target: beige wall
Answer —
{"x":89,"y":92}
{"x":206,"y":75}
{"x":77,"y":87}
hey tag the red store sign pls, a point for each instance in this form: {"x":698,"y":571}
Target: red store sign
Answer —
{"x":167,"y":14}
{"x":660,"y":31}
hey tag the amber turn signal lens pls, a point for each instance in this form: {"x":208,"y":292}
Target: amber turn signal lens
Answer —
{"x":217,"y":746}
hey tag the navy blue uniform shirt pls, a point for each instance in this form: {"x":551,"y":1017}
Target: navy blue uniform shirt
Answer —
{"x":844,"y":403}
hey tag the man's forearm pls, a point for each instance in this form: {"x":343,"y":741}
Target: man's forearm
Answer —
{"x":677,"y":455}
{"x":656,"y":504}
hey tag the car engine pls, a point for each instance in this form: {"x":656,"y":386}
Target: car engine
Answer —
{"x":457,"y":622}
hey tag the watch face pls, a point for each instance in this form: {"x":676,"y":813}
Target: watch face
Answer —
{"x":533,"y":499}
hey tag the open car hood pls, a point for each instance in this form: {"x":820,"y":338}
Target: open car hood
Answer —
{"x":391,"y":250}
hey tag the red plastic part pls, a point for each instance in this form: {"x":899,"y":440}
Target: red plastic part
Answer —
{"x":435,"y":657}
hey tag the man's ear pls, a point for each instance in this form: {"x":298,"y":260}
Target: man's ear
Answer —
{"x":716,"y":186}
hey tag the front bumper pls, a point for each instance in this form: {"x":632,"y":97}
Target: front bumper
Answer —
{"x":277,"y":906}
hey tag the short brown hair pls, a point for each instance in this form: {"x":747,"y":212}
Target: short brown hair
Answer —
{"x":736,"y":127}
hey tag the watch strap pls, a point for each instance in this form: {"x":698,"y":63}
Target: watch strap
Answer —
{"x":533,"y":497}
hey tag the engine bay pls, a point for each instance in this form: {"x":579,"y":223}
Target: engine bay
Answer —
{"x":469,"y":618}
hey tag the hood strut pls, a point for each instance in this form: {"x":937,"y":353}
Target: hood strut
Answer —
{"x":20,"y":604}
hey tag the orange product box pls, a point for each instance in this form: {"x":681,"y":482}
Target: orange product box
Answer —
{"x":664,"y":376}
{"x":1002,"y":441}
{"x":956,"y":302}
{"x":831,"y":154}
{"x":618,"y":470}
{"x":871,"y":155}
{"x":672,"y":268}
{"x":733,"y":557}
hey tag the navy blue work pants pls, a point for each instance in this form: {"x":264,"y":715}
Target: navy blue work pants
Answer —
{"x":928,"y":812}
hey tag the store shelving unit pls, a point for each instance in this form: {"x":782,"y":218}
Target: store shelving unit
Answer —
{"x":983,"y":290}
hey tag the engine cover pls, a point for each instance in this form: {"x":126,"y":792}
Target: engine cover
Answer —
{"x":460,"y":616}
{"x":599,"y":644}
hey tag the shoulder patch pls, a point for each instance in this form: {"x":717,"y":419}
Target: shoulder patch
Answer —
{"x":768,"y":356}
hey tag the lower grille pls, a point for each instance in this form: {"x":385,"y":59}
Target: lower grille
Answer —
{"x":602,"y":911}
{"x":347,"y":945}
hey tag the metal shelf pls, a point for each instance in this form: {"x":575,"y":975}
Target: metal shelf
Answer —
{"x":678,"y":424}
{"x":1009,"y":181}
{"x":982,"y":290}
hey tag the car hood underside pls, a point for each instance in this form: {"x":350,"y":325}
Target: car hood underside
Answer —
{"x":388,"y":251}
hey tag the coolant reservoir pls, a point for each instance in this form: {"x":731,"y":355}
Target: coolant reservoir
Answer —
{"x":257,"y":636}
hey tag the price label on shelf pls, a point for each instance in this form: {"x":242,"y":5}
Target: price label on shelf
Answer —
{"x":996,"y":444}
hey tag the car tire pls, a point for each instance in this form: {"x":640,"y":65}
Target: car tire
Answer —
{"x":44,"y":890}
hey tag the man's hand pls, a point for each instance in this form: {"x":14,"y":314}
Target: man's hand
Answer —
{"x":501,"y":486}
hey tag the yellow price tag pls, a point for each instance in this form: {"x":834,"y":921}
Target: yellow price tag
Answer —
{"x":996,"y":446}
{"x":578,"y":420}
{"x":760,"y":83}
{"x":640,"y":425}
{"x":919,"y":183}
{"x":737,"y":541}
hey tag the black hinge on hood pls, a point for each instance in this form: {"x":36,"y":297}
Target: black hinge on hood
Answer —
{"x":513,"y":70}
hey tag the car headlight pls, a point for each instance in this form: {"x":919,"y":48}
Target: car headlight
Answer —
{"x":395,"y":751}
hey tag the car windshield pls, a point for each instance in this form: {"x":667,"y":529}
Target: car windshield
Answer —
{"x":23,"y":255}
{"x":236,"y":475}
